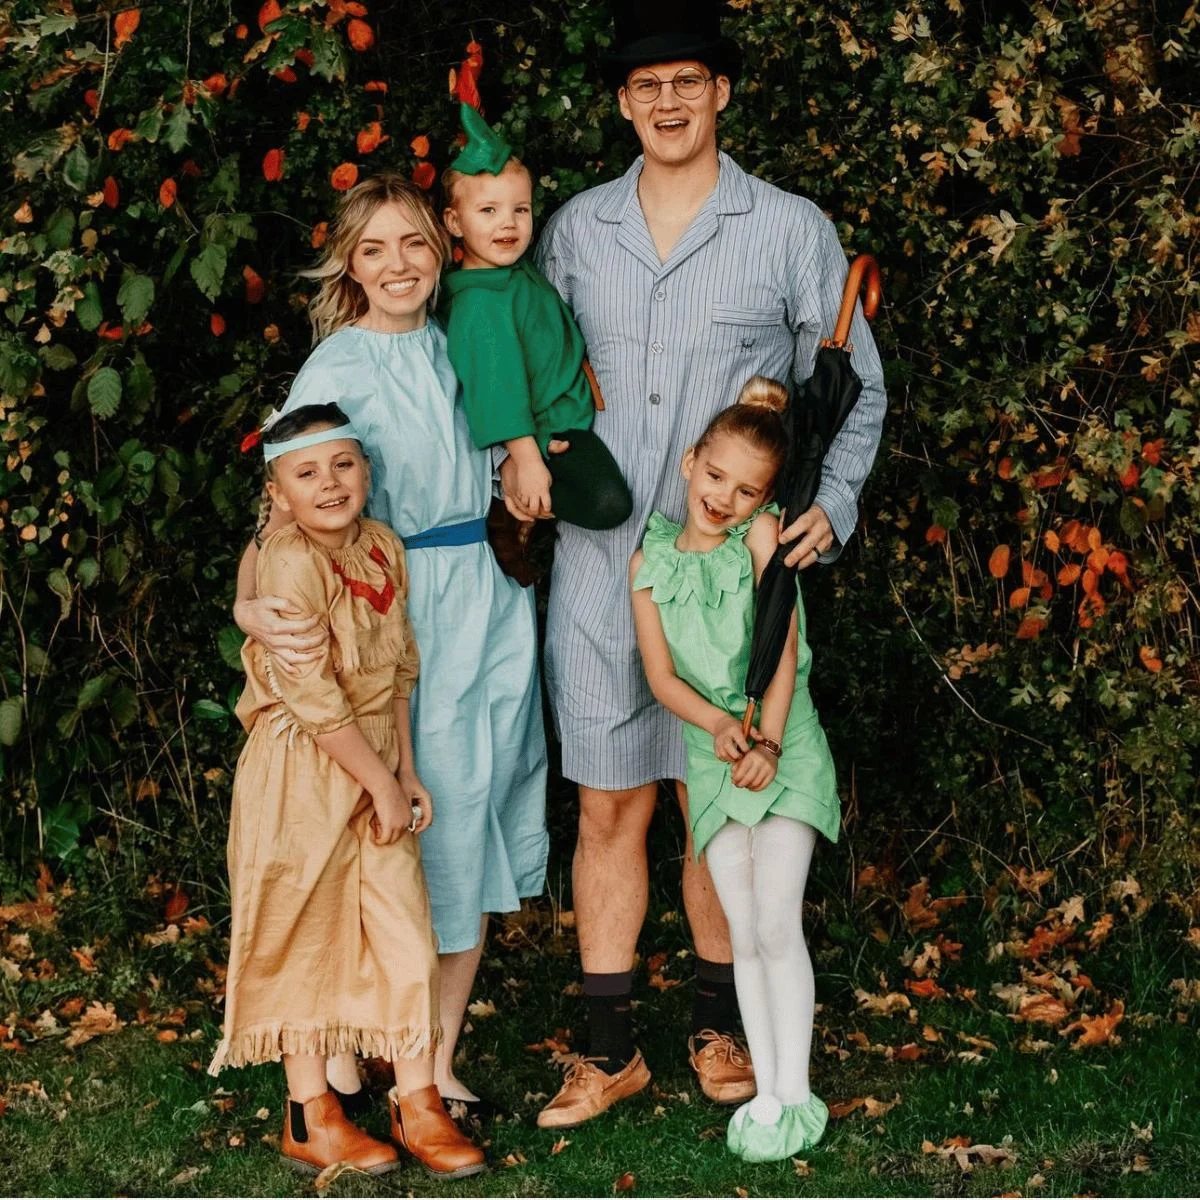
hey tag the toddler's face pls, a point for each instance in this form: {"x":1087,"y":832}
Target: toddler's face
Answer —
{"x":727,"y":480}
{"x":323,"y":487}
{"x":493,"y":214}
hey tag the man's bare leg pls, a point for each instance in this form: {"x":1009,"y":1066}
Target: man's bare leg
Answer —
{"x":456,"y":976}
{"x":710,"y":931}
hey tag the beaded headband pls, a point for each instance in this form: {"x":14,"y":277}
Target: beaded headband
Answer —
{"x":275,"y":449}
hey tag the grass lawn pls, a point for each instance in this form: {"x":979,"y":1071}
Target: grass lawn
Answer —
{"x":978,"y":1049}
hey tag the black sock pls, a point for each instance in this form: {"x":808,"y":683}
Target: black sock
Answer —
{"x":715,"y":1005}
{"x":610,"y":1025}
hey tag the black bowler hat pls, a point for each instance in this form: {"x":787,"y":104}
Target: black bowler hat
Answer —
{"x":657,"y":31}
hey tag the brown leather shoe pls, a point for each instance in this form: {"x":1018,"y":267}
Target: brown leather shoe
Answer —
{"x":421,"y":1125}
{"x":316,"y":1135}
{"x":722,"y":1064}
{"x":588,"y":1091}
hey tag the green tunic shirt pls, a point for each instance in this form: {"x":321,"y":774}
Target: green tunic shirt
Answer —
{"x":705,"y":600}
{"x":519,"y":354}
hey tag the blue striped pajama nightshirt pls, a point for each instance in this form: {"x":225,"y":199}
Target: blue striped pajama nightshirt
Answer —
{"x":750,"y":288}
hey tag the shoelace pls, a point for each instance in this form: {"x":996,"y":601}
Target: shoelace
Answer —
{"x":727,"y":1047}
{"x":579,"y":1069}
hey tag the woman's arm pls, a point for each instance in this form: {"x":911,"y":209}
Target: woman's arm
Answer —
{"x":729,"y":743}
{"x":293,"y":639}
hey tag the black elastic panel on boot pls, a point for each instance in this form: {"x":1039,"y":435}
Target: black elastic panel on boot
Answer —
{"x":299,"y":1125}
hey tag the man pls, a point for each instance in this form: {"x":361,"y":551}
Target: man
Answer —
{"x":687,"y":276}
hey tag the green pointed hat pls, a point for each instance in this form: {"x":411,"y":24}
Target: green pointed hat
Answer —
{"x":485,"y":151}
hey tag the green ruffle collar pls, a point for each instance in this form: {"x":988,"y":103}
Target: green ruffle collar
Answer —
{"x":707,"y":575}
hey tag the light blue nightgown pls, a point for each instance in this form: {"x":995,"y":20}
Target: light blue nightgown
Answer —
{"x":478,"y":737}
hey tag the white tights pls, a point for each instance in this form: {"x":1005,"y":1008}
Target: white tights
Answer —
{"x":760,"y":872}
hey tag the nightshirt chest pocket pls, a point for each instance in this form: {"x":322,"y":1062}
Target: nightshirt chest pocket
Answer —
{"x":750,"y":327}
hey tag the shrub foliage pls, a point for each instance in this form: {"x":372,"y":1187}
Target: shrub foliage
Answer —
{"x":1007,"y":655}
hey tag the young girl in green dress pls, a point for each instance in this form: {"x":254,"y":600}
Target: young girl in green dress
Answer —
{"x":755,"y":804}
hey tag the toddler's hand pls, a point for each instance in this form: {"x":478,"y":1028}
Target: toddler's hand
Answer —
{"x":755,"y":770}
{"x":533,"y":487}
{"x":729,"y":742}
{"x":417,"y":794}
{"x":393,"y":815}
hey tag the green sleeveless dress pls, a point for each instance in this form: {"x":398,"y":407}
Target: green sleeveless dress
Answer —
{"x":706,"y":602}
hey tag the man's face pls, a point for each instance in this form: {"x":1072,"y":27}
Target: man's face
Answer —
{"x":673,"y":130}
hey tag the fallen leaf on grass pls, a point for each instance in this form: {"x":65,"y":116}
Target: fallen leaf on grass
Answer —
{"x":740,"y":1191}
{"x":930,"y":1034}
{"x":873,"y":1108}
{"x":481,"y":1009}
{"x":32,"y":914}
{"x":560,"y":1145}
{"x":656,"y":962}
{"x":977,"y":1042}
{"x":625,"y":1183}
{"x":262,"y":1114}
{"x":84,"y":956}
{"x":882,"y":1006}
{"x":1096,"y":1031}
{"x":176,"y":907}
{"x":976,"y":1154}
{"x":1035,"y":1181}
{"x":803,"y":1170}
{"x":1042,"y":1008}
{"x":1192,"y":938}
{"x":909,"y":1052}
{"x":660,"y":984}
{"x":186,"y":1176}
{"x":162,"y":937}
{"x":922,"y":913}
{"x":1140,"y":1165}
{"x":97,"y":1020}
{"x":331,"y":1172}
{"x":167,"y":1035}
{"x":514,"y":1159}
{"x":927,"y":989}
{"x":554,"y":1045}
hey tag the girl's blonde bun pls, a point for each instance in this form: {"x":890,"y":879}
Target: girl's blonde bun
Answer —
{"x":764,"y":393}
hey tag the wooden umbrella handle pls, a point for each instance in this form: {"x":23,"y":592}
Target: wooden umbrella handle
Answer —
{"x":594,"y":384}
{"x":864,"y":266}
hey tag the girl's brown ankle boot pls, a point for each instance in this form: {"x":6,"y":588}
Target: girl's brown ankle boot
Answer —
{"x":421,"y":1125}
{"x":316,"y":1134}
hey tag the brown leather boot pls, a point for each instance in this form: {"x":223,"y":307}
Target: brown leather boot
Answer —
{"x":316,"y":1135}
{"x":421,"y":1125}
{"x":509,"y":540}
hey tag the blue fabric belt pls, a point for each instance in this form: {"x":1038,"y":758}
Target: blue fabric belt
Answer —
{"x":466,"y":533}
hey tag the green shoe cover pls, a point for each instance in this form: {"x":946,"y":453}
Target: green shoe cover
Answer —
{"x":799,"y":1128}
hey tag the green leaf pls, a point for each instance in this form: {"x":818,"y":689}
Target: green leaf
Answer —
{"x":229,"y":643}
{"x":168,"y":478}
{"x":208,"y":270}
{"x":104,"y":393}
{"x":329,"y":54}
{"x":58,"y":357}
{"x":60,"y":229}
{"x":60,"y":585}
{"x":93,"y":692}
{"x":87,"y":572}
{"x":116,"y":564}
{"x":177,"y":127}
{"x":149,"y":124}
{"x":135,"y":297}
{"x":139,"y":383}
{"x":58,"y":23}
{"x":123,"y":706}
{"x":11,"y":712}
{"x":89,"y":312}
{"x":77,"y":168}
{"x":210,"y":710}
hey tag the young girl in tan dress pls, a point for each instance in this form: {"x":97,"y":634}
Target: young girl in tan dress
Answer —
{"x":331,"y":945}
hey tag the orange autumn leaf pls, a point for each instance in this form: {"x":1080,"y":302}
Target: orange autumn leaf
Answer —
{"x":319,"y":233}
{"x":217,"y":324}
{"x":118,"y":138}
{"x":1046,"y":590}
{"x":110,"y":333}
{"x":360,"y":35}
{"x":85,"y":960}
{"x":1050,"y":541}
{"x":1018,"y":597}
{"x":1130,"y":476}
{"x":928,"y":989}
{"x":254,"y":284}
{"x":269,"y":12}
{"x":306,"y":57}
{"x":1091,"y":582}
{"x":241,"y":32}
{"x":375,"y":85}
{"x":424,"y":175}
{"x":112,"y":194}
{"x":1069,"y":574}
{"x":216,"y":85}
{"x":1117,"y":563}
{"x":1030,"y":628}
{"x":1152,"y":451}
{"x":302,"y":120}
{"x":420,"y":146}
{"x":1095,"y":539}
{"x":92,"y":99}
{"x":1051,"y":476}
{"x":935,"y":535}
{"x":1150,"y":659}
{"x":285,"y":74}
{"x":166,"y":192}
{"x":1097,"y":560}
{"x":125,"y":25}
{"x":179,"y":901}
{"x":1096,"y":1031}
{"x":998,"y":563}
{"x":272,"y":165}
{"x":1005,"y":468}
{"x":371,"y":138}
{"x":344,"y":177}
{"x":1031,"y":576}
{"x":1048,"y":1010}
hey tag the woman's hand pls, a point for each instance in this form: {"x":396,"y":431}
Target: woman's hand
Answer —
{"x":729,"y":742}
{"x":815,"y":534}
{"x":393,"y":814}
{"x":755,"y":770}
{"x":416,"y":793}
{"x":291,"y":638}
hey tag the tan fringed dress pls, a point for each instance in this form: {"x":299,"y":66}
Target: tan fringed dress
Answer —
{"x":331,"y":947}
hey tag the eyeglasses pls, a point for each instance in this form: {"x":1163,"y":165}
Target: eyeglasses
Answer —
{"x":687,"y":85}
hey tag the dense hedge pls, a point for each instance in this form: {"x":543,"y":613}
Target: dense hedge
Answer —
{"x":1008,"y":653}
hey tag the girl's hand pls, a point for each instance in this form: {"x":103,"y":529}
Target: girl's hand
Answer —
{"x":729,"y":742}
{"x":416,"y":793}
{"x":533,"y":488}
{"x":272,"y":622}
{"x":393,"y":814}
{"x":510,"y":487}
{"x":755,"y":770}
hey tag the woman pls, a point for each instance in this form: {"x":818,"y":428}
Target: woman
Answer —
{"x":477,"y":730}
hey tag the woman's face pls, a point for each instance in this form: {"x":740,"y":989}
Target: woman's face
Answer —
{"x":397,"y":270}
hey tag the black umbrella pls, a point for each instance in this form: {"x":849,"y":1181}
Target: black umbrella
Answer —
{"x":814,"y":417}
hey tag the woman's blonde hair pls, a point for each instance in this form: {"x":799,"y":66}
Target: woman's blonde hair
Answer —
{"x":340,"y":299}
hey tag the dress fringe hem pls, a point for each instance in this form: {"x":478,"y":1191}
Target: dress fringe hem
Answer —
{"x":268,"y":1043}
